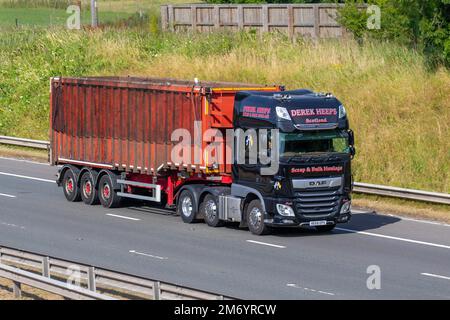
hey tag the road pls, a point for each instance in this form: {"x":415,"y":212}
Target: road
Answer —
{"x":413,"y":257}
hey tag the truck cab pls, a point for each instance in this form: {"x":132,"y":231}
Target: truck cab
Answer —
{"x":312,"y":183}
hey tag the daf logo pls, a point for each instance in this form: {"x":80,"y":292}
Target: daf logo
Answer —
{"x":318,"y":183}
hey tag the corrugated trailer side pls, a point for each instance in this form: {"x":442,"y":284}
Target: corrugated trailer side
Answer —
{"x":126,"y":123}
{"x":117,"y":124}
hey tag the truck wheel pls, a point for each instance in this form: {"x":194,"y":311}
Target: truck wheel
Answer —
{"x":326,"y":228}
{"x":254,"y":215}
{"x":210,"y":211}
{"x":89,"y":193}
{"x":186,"y":207}
{"x":107,"y":195}
{"x":70,"y":187}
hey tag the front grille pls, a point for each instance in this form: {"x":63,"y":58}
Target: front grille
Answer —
{"x":318,"y":202}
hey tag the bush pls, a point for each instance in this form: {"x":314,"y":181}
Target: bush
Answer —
{"x":423,"y":25}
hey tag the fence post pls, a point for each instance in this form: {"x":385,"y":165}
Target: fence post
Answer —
{"x":194,"y":18}
{"x":316,"y":21}
{"x":171,"y":21}
{"x":164,"y":17}
{"x":91,"y":279}
{"x":46,"y":267}
{"x":156,"y":290}
{"x":290,"y":15}
{"x":240,"y":17}
{"x":94,"y":19}
{"x":216,"y":17}
{"x":265,"y":18}
{"x":17,"y":289}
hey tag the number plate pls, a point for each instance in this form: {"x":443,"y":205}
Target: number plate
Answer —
{"x":317,"y":223}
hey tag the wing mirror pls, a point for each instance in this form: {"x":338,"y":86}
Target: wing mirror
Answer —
{"x":351,"y":138}
{"x":351,"y":143}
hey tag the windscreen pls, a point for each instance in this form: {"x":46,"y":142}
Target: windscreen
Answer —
{"x":294,"y":144}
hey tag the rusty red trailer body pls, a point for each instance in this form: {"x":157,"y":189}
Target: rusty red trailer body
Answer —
{"x":126,"y":123}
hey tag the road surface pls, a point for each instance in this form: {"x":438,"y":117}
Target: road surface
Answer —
{"x":413,"y":257}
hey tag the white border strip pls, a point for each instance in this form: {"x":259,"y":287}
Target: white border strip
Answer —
{"x":101,"y":165}
{"x":395,"y":238}
{"x":26,"y":177}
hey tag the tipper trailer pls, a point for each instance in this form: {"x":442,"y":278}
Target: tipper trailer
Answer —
{"x":113,"y":138}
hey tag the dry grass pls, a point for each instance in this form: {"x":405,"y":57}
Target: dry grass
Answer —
{"x":24,"y":153}
{"x":28,"y":293}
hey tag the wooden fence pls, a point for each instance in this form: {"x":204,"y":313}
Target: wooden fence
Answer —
{"x":310,"y":20}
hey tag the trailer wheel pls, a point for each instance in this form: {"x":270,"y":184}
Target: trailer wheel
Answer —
{"x":186,"y":207}
{"x":254,"y":215}
{"x":70,"y":187}
{"x":107,"y":195}
{"x":210,"y":211}
{"x":89,"y":193}
{"x":326,"y":228}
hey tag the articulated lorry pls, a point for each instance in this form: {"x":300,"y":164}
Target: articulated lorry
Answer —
{"x":220,"y":152}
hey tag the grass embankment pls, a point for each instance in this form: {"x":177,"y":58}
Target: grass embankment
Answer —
{"x":400,"y":112}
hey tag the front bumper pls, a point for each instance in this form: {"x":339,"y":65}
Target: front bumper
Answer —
{"x":332,"y":216}
{"x":277,"y":220}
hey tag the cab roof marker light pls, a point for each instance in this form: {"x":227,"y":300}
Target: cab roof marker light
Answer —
{"x":283,"y":113}
{"x":342,"y":112}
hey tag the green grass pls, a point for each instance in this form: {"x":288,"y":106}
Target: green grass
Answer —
{"x":399,"y":110}
{"x":53,"y":12}
{"x":49,"y":17}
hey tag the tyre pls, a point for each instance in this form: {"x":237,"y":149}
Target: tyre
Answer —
{"x":210,"y":211}
{"x":89,"y":193}
{"x":186,"y":207}
{"x":70,"y":187}
{"x":107,"y":195}
{"x":254,"y":215}
{"x":326,"y":228}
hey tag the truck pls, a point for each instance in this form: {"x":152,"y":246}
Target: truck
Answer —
{"x":198,"y":148}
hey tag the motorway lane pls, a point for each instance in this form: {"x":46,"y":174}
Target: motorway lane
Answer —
{"x":303,"y":265}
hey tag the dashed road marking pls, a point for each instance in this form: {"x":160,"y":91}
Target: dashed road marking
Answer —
{"x":122,"y":217}
{"x":293,"y":285}
{"x":147,"y":255}
{"x":7,"y":195}
{"x":266,"y":244}
{"x":435,"y":276}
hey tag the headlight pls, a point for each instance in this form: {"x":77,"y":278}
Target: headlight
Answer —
{"x":342,"y":112}
{"x":346,"y":207}
{"x":283,"y":113}
{"x":285,"y":211}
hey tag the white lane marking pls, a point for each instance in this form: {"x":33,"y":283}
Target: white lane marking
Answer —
{"x":293,"y":285}
{"x":395,"y":238}
{"x":26,"y":177}
{"x":7,"y":195}
{"x":147,"y":255}
{"x":11,"y":225}
{"x":402,"y":218}
{"x":266,"y":244}
{"x":421,"y":221}
{"x":26,"y":161}
{"x":122,"y":217}
{"x":435,"y":276}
